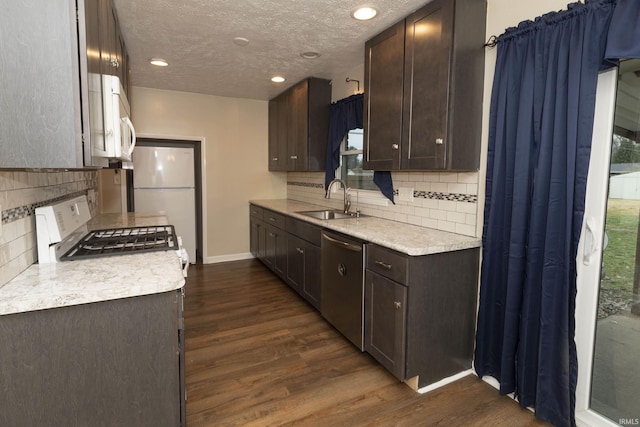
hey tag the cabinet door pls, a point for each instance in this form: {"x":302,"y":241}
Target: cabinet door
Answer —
{"x":107,"y":37}
{"x":257,"y":236}
{"x":298,"y":130}
{"x":295,"y":262}
{"x":383,"y":74}
{"x":311,"y":286}
{"x":92,"y":14}
{"x":274,"y":249}
{"x":385,"y":320}
{"x":277,"y":134}
{"x":426,"y":89}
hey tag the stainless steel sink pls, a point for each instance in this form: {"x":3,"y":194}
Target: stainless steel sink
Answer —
{"x":329,"y":214}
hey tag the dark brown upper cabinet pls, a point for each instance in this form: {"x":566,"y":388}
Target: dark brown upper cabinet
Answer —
{"x":424,"y":81}
{"x":299,"y":126}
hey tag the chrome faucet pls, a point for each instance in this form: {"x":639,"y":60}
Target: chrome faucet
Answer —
{"x":347,"y":197}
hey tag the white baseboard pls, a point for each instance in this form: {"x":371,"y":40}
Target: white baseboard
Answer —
{"x":445,"y":381}
{"x":228,"y":258}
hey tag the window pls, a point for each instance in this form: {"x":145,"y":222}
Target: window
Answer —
{"x":351,"y":156}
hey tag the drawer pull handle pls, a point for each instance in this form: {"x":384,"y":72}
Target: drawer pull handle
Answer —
{"x":272,"y":219}
{"x":272,"y":235}
{"x":384,"y":265}
{"x":397,"y":305}
{"x":300,"y":251}
{"x":294,"y":157}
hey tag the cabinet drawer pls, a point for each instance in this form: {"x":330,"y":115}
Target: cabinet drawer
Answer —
{"x":273,"y":218}
{"x":304,"y":230}
{"x":388,"y":263}
{"x":256,"y":212}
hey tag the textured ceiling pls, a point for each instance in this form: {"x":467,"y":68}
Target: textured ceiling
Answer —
{"x":196,"y":37}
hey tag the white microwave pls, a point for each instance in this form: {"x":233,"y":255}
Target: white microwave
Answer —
{"x":119,"y":133}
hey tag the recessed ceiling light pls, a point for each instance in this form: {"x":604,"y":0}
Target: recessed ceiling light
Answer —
{"x":158,"y":62}
{"x":310,"y":55}
{"x":277,"y":79}
{"x":364,"y":13}
{"x":241,"y":41}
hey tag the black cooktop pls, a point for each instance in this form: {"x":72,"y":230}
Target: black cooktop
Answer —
{"x":123,"y":241}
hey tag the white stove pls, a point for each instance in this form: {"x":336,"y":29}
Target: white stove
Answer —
{"x":63,"y":235}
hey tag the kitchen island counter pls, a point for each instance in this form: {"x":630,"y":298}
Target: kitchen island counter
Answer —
{"x":405,"y":238}
{"x":46,"y":286}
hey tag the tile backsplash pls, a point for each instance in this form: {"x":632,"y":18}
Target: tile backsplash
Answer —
{"x":445,"y":201}
{"x":21,"y":193}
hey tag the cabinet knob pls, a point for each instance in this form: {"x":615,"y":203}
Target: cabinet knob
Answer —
{"x":275,"y":159}
{"x":395,"y":146}
{"x":300,"y":250}
{"x":294,"y":157}
{"x":439,"y":141}
{"x":397,"y":305}
{"x":272,"y":235}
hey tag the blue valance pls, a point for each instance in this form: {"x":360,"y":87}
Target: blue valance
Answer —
{"x":347,"y":114}
{"x":623,"y":41}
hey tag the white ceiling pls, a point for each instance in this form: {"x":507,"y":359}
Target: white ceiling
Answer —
{"x":196,"y":37}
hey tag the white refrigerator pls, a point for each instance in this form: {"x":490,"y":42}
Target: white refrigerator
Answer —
{"x":164,"y":180}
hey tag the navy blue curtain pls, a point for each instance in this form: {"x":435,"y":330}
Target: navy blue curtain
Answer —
{"x":624,"y":33}
{"x":540,"y":126}
{"x":347,"y":114}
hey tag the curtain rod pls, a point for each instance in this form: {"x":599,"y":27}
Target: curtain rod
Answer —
{"x":492,"y":42}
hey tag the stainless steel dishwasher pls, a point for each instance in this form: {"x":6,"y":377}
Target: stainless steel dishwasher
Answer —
{"x":342,"y":285}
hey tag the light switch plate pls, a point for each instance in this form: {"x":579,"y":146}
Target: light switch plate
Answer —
{"x":405,"y":194}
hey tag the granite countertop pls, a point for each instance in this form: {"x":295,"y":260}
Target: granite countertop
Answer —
{"x":46,"y":286}
{"x":406,"y":238}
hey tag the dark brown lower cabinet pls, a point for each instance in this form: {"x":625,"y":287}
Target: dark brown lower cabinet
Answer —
{"x":116,"y":363}
{"x":275,"y":249}
{"x":303,"y":269}
{"x":385,"y":322}
{"x":420,"y":312}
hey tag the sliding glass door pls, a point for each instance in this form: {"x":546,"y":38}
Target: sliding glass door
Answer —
{"x":608,"y":300}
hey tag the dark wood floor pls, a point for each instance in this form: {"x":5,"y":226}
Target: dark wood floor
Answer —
{"x":258,"y":355}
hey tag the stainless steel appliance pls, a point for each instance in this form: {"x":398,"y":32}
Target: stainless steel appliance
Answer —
{"x":342,"y":271}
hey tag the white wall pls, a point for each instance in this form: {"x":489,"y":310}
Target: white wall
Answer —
{"x":236,"y":143}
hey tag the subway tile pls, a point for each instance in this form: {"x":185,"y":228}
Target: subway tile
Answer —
{"x":422,"y":212}
{"x":439,"y":187}
{"x":468,"y":177}
{"x":447,"y":205}
{"x":466,"y":207}
{"x":456,"y":188}
{"x":472,"y":189}
{"x":467,"y":230}
{"x":457,"y":217}
{"x":414,"y":220}
{"x":448,"y":177}
{"x":470,"y":219}
{"x":447,"y":226}
{"x":431,"y":177}
{"x":421,"y":186}
{"x":430,"y":223}
{"x":438,"y":214}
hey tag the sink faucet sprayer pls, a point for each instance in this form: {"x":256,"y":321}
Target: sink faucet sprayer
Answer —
{"x":346,"y":195}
